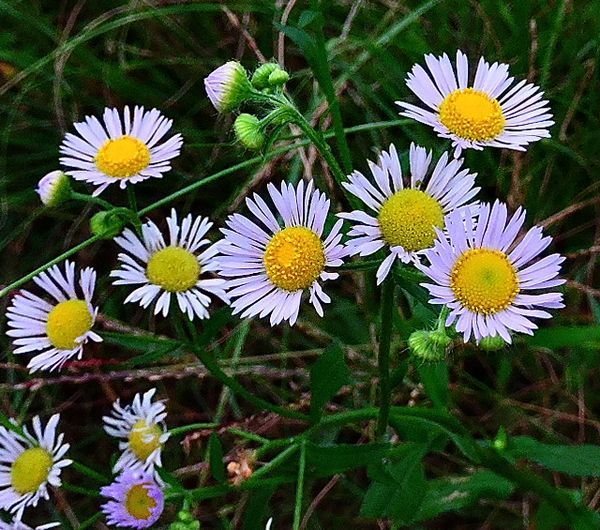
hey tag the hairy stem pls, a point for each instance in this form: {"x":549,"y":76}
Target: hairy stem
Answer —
{"x":383,"y":359}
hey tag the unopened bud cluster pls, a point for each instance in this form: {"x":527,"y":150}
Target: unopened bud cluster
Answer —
{"x":229,"y":87}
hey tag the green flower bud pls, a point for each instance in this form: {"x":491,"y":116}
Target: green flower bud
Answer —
{"x":54,"y":189}
{"x":278,"y":78}
{"x":110,"y":223}
{"x":260,"y":78}
{"x":228,"y":86}
{"x":492,"y":343}
{"x":248,"y":131}
{"x":501,"y":440}
{"x":429,"y":346}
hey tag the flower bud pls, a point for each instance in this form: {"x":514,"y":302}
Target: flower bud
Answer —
{"x":429,"y":346}
{"x":228,"y":86}
{"x":501,"y":440}
{"x":492,"y":343}
{"x":260,"y":77}
{"x":108,"y":224}
{"x":248,"y":131}
{"x":278,"y":78}
{"x":54,"y":189}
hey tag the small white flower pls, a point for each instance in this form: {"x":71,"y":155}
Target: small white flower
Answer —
{"x":492,"y":111}
{"x":270,"y":268}
{"x":29,"y":463}
{"x":54,"y":188}
{"x":228,"y":86}
{"x":59,"y":329}
{"x":484,"y":274}
{"x":123,"y":151}
{"x":142,"y":428}
{"x":175,"y":269}
{"x":405,"y":215}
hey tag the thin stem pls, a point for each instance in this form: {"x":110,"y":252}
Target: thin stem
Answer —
{"x":277,"y":461}
{"x":132,"y":199}
{"x":89,"y":198}
{"x":84,"y":470}
{"x":176,"y":431}
{"x":383,"y":360}
{"x":213,"y":367}
{"x":300,"y":487}
{"x":58,"y":259}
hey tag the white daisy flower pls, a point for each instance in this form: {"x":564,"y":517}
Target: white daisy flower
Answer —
{"x":491,"y":112}
{"x":405,"y":217}
{"x":54,"y":188}
{"x":59,"y":329}
{"x":16,"y":524}
{"x":143,"y":431}
{"x":487,"y":278}
{"x":124,"y":151}
{"x":29,"y":463}
{"x":270,"y":268}
{"x":178,"y":269}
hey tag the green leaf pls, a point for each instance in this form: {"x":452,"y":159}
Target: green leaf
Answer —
{"x":565,"y":336}
{"x":327,"y":376}
{"x":454,"y":493}
{"x":329,"y":460}
{"x":399,"y":485}
{"x":256,"y":511}
{"x":577,"y":460}
{"x":215,"y":458}
{"x":434,"y":377}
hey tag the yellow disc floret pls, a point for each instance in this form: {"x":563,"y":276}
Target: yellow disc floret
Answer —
{"x":175,"y":269}
{"x":144,"y":438}
{"x":472,"y":114}
{"x":294,"y":258}
{"x":123,"y":157}
{"x":30,"y":470}
{"x":139,"y":503}
{"x":408,"y":219}
{"x":484,"y":281}
{"x":67,"y":321}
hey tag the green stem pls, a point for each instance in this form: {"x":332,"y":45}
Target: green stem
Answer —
{"x":78,"y":489}
{"x":58,"y":259}
{"x":277,"y":461}
{"x":89,"y":198}
{"x":84,"y":470}
{"x":192,"y":427}
{"x":213,"y":367}
{"x":132,"y":199}
{"x":300,"y":488}
{"x":317,"y":139}
{"x":91,"y":520}
{"x":383,"y":359}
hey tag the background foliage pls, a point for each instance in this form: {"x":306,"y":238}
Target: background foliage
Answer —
{"x":61,"y":60}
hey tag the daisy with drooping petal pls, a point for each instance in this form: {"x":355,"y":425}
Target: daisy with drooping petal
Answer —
{"x":16,"y":524}
{"x":142,"y":428}
{"x":136,"y":500}
{"x":178,"y":269}
{"x":405,"y":217}
{"x":59,"y":329}
{"x":491,"y":111}
{"x":492,"y":282}
{"x":123,"y":151}
{"x":29,"y":463}
{"x":270,"y":268}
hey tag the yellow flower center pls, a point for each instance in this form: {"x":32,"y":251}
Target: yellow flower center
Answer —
{"x":294,"y":258}
{"x":139,"y":503}
{"x":472,"y":114}
{"x":30,"y":470}
{"x":144,"y":439}
{"x":122,"y":157}
{"x":484,"y":281}
{"x":408,"y":219}
{"x":175,"y":269}
{"x":67,"y":321}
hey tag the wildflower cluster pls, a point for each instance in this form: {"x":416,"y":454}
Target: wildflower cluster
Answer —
{"x":473,"y":258}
